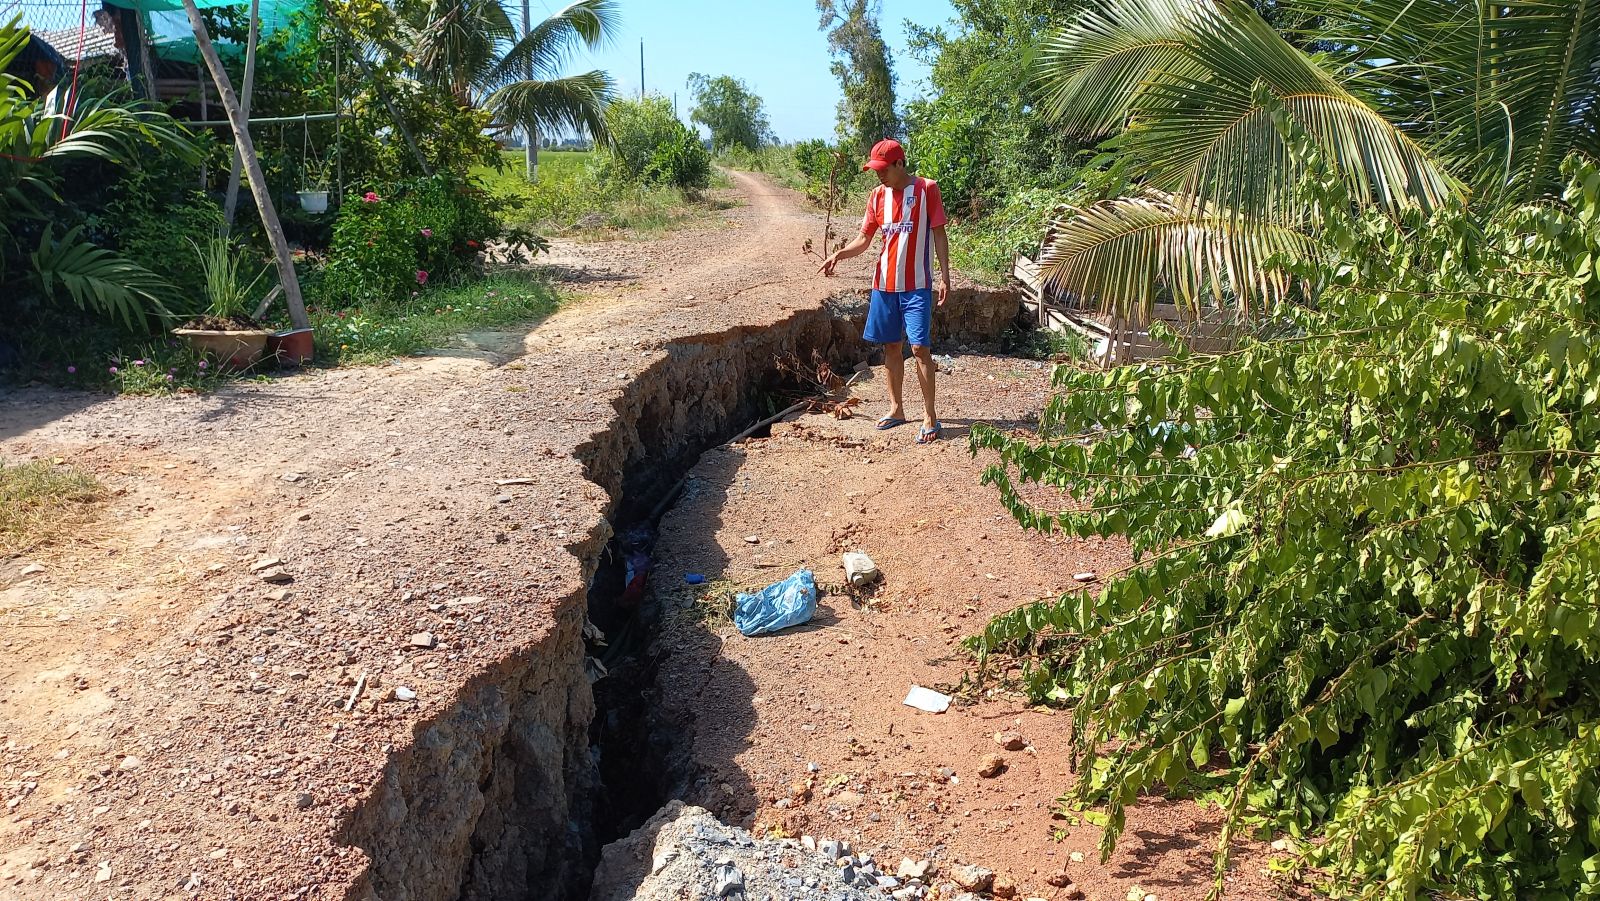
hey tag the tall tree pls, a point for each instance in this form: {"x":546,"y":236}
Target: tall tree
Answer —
{"x":471,"y":48}
{"x":733,"y":113}
{"x":865,"y":71}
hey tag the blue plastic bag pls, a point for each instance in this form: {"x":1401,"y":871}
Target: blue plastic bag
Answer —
{"x":778,"y":606}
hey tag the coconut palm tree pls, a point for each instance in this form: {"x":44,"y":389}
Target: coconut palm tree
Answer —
{"x":471,"y":48}
{"x":1411,"y":103}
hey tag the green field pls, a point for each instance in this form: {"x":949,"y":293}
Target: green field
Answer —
{"x":574,"y":196}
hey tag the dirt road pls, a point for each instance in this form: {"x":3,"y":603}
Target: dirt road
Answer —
{"x":317,"y":646}
{"x":170,"y":718}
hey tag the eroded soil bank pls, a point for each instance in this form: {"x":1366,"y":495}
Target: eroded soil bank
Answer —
{"x":175,"y":723}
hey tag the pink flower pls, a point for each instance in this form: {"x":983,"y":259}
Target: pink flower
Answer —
{"x":138,"y":362}
{"x":169,"y":378}
{"x":427,"y":233}
{"x":72,"y":370}
{"x":113,"y":370}
{"x":422,"y":276}
{"x":369,"y":197}
{"x":202,"y":365}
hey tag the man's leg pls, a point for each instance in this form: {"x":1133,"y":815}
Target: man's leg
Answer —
{"x":926,"y":370}
{"x":894,"y":364}
{"x":917,"y":308}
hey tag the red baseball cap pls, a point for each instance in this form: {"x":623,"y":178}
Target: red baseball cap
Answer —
{"x":885,"y":153}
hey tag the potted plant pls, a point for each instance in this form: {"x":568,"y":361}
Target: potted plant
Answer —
{"x":314,"y":191}
{"x":226,"y":332}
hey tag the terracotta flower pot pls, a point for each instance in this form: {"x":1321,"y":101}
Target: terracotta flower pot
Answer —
{"x":292,"y":347}
{"x":233,"y":349}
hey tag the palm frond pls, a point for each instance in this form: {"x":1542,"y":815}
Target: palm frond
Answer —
{"x":546,"y":49}
{"x":1125,"y":255}
{"x":575,"y":103}
{"x":1504,"y":90}
{"x":99,"y":128}
{"x":1197,"y":120}
{"x":13,"y":40}
{"x":1092,"y":68}
{"x":456,"y":42}
{"x":97,"y":279}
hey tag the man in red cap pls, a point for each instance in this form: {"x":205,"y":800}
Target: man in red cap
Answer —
{"x":907,"y":211}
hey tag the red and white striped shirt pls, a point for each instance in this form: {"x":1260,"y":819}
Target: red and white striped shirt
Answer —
{"x":906,"y":218}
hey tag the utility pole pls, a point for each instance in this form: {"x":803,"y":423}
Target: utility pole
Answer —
{"x":530,"y":133}
{"x":641,"y":68}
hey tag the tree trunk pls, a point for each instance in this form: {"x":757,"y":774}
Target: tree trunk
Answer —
{"x":530,"y":135}
{"x":532,"y":155}
{"x":252,"y":167}
{"x":231,"y":202}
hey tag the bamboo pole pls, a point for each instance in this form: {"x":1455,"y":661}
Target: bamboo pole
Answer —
{"x":252,"y":168}
{"x":231,"y":202}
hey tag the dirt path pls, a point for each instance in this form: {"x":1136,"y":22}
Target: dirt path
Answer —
{"x":173,"y":724}
{"x":165,"y":713}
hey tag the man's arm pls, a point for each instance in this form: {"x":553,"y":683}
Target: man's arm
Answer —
{"x":941,"y":246}
{"x":853,"y":249}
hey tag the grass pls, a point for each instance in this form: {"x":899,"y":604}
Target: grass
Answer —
{"x":83,"y":353}
{"x":39,"y":501}
{"x":774,"y":161}
{"x":79,"y":351}
{"x":1045,"y":344}
{"x":375,"y":333}
{"x":573,"y":197}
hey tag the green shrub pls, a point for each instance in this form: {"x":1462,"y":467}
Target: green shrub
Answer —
{"x":389,"y":242}
{"x":153,"y":216}
{"x":1368,"y":553}
{"x":638,"y":129}
{"x":820,"y":164}
{"x":681,"y":162}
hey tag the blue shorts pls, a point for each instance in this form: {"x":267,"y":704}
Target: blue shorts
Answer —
{"x":901,"y":316}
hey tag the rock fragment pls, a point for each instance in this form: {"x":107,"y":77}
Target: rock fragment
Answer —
{"x":1011,"y":741}
{"x":973,"y":878}
{"x":728,"y":881}
{"x":914,"y":869}
{"x":993,"y":765}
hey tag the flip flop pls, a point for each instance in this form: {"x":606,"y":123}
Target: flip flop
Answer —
{"x":889,"y":422}
{"x":930,"y":434}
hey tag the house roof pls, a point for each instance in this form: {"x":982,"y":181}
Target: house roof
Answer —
{"x":96,"y":43}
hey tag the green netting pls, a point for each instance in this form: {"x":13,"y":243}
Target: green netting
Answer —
{"x":172,"y":38}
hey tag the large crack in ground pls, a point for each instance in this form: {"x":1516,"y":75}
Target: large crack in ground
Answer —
{"x":517,"y":786}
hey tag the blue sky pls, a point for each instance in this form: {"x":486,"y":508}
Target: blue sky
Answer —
{"x":773,"y":45}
